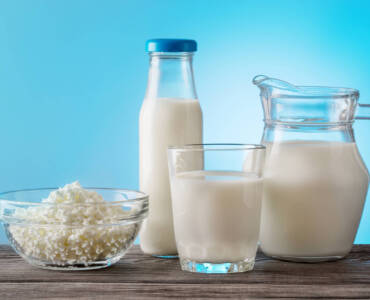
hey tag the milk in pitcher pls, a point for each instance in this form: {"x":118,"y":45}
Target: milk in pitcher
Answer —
{"x":314,"y":193}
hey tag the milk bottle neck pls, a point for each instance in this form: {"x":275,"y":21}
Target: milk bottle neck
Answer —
{"x":171,"y":76}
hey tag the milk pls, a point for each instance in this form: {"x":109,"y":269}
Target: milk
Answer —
{"x":314,"y":194}
{"x":216,"y":215}
{"x":163,"y":122}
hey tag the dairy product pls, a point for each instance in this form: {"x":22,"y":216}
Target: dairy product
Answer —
{"x":314,"y":193}
{"x":69,"y":229}
{"x":163,"y":122}
{"x":216,"y":215}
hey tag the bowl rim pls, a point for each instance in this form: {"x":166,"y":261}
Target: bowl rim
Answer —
{"x":143,"y":198}
{"x":135,"y":217}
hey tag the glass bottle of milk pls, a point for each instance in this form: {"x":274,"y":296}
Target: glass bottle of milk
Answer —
{"x":170,"y":115}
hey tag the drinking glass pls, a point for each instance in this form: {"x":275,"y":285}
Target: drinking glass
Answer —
{"x":216,"y":192}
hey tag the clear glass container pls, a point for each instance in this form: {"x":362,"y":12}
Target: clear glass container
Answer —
{"x":315,"y":179}
{"x":72,"y":244}
{"x":216,"y":200}
{"x":170,"y":115}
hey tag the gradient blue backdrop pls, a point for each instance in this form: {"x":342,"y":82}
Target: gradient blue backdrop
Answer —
{"x":73,"y":75}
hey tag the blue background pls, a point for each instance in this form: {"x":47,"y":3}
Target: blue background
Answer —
{"x":73,"y":75}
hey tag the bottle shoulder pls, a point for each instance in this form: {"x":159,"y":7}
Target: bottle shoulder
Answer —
{"x":170,"y":99}
{"x":164,"y":104}
{"x":171,"y":110}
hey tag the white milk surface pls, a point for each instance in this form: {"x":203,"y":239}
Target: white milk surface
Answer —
{"x":216,"y":215}
{"x":163,"y":122}
{"x":314,"y":193}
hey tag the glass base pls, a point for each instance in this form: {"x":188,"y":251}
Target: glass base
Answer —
{"x":217,"y":268}
{"x":306,"y":259}
{"x":166,"y":256}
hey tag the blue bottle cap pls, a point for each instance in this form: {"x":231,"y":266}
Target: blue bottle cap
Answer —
{"x":170,"y":45}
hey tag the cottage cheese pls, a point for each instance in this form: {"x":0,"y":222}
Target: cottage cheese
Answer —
{"x":72,"y":230}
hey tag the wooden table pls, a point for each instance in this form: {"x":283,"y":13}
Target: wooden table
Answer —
{"x":139,"y":276}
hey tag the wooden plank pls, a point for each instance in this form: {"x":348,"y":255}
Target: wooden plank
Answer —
{"x":137,"y":267}
{"x":141,"y":276}
{"x":183,"y":291}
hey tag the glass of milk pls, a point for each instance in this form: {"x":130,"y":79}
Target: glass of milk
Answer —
{"x":315,"y":181}
{"x":216,"y":192}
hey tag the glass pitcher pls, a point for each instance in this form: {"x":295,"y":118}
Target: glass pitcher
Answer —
{"x":315,"y":179}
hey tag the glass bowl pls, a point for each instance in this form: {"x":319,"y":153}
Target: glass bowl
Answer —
{"x":91,"y":235}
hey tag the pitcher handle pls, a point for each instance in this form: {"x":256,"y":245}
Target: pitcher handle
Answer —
{"x":363,"y":112}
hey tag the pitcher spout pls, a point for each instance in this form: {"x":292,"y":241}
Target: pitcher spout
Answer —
{"x":285,"y":103}
{"x":257,"y":80}
{"x":263,"y":81}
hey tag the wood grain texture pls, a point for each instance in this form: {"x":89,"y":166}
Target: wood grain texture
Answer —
{"x":139,"y":276}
